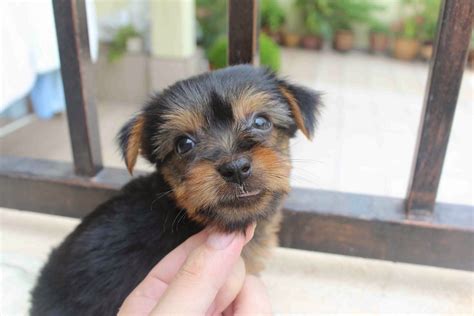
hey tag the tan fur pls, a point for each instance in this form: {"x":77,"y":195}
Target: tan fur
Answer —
{"x":257,"y":250}
{"x":183,"y":120}
{"x":295,"y":109}
{"x":200,"y":188}
{"x":274,"y":168}
{"x":134,"y":143}
{"x":248,"y":103}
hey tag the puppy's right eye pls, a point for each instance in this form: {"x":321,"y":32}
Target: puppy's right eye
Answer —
{"x":184,"y":145}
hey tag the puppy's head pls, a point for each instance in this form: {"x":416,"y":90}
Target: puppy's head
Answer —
{"x":221,"y":140}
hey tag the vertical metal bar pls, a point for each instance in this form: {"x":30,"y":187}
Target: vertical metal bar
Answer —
{"x":444,"y":80}
{"x":243,"y":32}
{"x":73,"y":43}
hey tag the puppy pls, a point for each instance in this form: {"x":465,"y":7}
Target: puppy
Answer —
{"x":220,"y":144}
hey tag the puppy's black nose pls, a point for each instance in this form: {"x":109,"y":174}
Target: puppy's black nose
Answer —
{"x":236,"y":171}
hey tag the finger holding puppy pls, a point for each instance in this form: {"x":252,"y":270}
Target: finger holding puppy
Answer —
{"x":207,"y":265}
{"x":203,"y":274}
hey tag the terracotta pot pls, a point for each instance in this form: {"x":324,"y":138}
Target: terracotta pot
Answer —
{"x":276,"y":36}
{"x":312,"y":42}
{"x":212,"y":67}
{"x":470,"y":58}
{"x":378,"y":42}
{"x":291,"y":39}
{"x":343,"y":41}
{"x":405,"y":49}
{"x":426,"y":51}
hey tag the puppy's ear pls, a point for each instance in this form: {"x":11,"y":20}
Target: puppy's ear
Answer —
{"x":130,"y":139}
{"x":304,"y":105}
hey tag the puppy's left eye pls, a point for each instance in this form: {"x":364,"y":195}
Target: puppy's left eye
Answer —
{"x":184,"y":145}
{"x":261,"y":123}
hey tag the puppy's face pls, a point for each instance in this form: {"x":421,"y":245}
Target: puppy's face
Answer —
{"x":220,"y":140}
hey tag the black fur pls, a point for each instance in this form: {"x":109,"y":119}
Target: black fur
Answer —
{"x":309,"y":102}
{"x":221,"y":110}
{"x":111,"y":251}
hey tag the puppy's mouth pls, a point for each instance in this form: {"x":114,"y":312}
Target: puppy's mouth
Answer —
{"x":249,"y":194}
{"x":242,"y":198}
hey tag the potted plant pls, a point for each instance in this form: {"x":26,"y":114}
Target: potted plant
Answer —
{"x":315,"y":17}
{"x":343,"y":15}
{"x":290,"y":39}
{"x":127,"y":39}
{"x":269,"y":53}
{"x":272,"y":17}
{"x":314,"y":37}
{"x":343,"y":39}
{"x":212,"y":19}
{"x":429,"y":20}
{"x":378,"y":37}
{"x":406,"y":44}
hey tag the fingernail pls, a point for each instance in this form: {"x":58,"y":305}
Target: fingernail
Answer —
{"x":250,"y":232}
{"x":220,"y":241}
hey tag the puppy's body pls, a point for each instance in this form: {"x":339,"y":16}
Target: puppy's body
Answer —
{"x":111,"y":251}
{"x":220,"y":145}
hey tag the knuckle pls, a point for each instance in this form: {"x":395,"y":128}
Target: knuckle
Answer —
{"x":193,"y":268}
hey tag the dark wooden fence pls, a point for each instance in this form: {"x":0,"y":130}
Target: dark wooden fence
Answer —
{"x":415,"y":230}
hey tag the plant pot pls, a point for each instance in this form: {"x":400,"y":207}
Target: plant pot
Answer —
{"x":426,"y":51}
{"x":405,"y":49}
{"x":312,"y":42}
{"x":343,"y":41}
{"x":291,"y":39}
{"x":212,"y":67}
{"x":378,"y":42}
{"x":275,"y":35}
{"x":470,"y":58}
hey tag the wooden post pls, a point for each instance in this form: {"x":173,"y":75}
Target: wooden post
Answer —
{"x":243,"y":32}
{"x":444,"y":80}
{"x":73,"y":44}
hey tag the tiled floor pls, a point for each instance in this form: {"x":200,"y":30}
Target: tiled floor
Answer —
{"x":297,"y":281}
{"x":369,"y":125}
{"x":365,"y":141}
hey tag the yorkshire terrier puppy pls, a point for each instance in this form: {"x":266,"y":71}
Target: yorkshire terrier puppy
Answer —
{"x":220,"y":144}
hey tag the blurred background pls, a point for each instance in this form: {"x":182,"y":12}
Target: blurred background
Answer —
{"x":370,"y":59}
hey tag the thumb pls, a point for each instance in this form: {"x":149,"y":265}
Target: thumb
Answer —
{"x":205,"y":271}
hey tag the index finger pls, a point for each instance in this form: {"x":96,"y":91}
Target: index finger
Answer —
{"x":145,"y":296}
{"x":167,"y":268}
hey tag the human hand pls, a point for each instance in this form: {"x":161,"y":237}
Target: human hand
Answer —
{"x":205,"y":275}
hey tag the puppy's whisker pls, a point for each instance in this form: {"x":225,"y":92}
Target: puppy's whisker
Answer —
{"x":294,"y":143}
{"x":306,"y":161}
{"x":304,"y":178}
{"x":162,"y":194}
{"x":159,"y":196}
{"x":302,"y":168}
{"x":180,"y":219}
{"x":176,"y":217}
